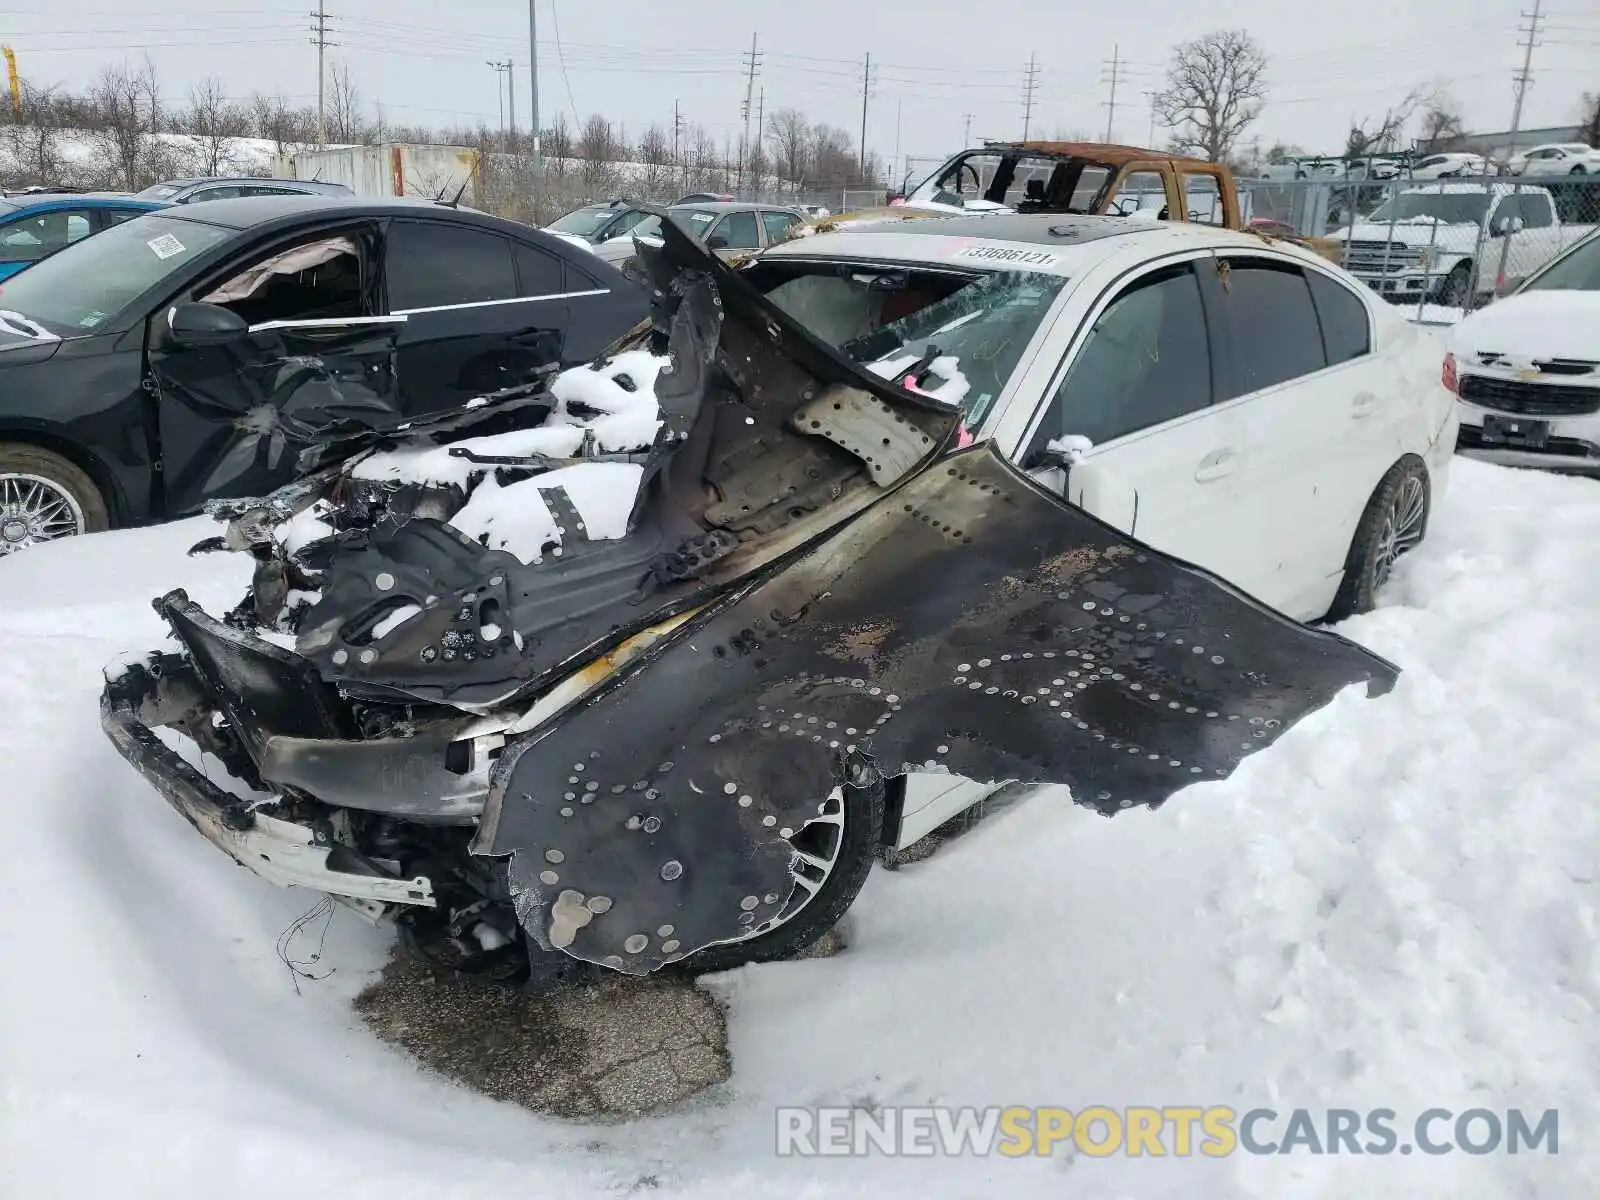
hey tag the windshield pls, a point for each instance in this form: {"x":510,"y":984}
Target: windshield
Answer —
{"x":1451,"y":208}
{"x":953,"y":338}
{"x":160,"y":191}
{"x":81,"y":287}
{"x":584,"y":222}
{"x":1578,"y":271}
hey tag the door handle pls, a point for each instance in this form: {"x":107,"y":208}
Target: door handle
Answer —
{"x":1364,"y":404}
{"x":1216,"y":465}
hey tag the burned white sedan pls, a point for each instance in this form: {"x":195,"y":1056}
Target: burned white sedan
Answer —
{"x":642,"y":671}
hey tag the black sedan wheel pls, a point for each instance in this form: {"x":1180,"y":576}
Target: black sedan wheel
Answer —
{"x":1395,"y":521}
{"x":44,"y":497}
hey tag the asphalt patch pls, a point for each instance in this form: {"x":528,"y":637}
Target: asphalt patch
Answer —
{"x":622,"y":1048}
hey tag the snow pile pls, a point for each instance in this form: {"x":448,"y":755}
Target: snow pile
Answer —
{"x":1394,"y":906}
{"x":613,"y":404}
{"x":516,"y":518}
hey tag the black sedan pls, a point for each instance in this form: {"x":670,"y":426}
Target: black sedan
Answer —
{"x":197,"y":355}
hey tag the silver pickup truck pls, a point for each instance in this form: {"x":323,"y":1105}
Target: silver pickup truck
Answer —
{"x":1448,"y":243}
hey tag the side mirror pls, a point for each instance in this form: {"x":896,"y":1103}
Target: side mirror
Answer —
{"x":718,"y":241}
{"x":1505,"y":226}
{"x":1063,"y":452}
{"x":196,"y":325}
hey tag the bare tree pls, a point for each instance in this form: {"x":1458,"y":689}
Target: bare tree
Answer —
{"x":1590,"y":131}
{"x":655,"y":152}
{"x":832,"y":157}
{"x":33,"y":138}
{"x":127,"y":110}
{"x":1381,"y":135}
{"x":598,"y":141}
{"x":342,"y":107}
{"x":1442,"y":125}
{"x":286,"y":127}
{"x":1214,"y":90}
{"x":789,"y":139}
{"x":214,"y":122}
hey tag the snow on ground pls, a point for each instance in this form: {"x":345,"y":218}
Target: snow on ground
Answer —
{"x":1394,"y":906}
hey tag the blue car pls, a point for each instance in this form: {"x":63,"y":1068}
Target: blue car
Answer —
{"x":34,"y":226}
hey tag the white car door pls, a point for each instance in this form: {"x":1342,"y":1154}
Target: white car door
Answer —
{"x":1317,"y":416}
{"x":1125,"y":428}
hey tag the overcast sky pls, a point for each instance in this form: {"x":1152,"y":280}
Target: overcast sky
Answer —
{"x":935,"y":61}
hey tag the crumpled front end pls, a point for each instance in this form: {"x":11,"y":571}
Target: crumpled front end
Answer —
{"x":593,"y":684}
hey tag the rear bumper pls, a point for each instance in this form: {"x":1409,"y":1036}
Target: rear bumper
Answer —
{"x":286,"y":853}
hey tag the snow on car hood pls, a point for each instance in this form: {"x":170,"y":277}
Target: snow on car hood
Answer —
{"x":1535,"y":325}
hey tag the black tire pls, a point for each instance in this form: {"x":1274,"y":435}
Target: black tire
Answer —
{"x":862,"y":829}
{"x":1577,"y":170}
{"x":87,"y":510}
{"x":1453,"y":290}
{"x":1373,"y":550}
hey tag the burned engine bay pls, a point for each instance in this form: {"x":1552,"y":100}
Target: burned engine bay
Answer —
{"x":567,"y":676}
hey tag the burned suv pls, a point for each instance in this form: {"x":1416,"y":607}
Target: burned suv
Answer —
{"x":631,"y":673}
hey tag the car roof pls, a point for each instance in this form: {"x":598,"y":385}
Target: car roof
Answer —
{"x":246,"y":212}
{"x":722,"y":206}
{"x":46,"y":200}
{"x":1060,"y":245}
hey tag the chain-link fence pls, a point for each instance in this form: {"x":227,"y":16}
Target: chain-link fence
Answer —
{"x":1441,"y":246}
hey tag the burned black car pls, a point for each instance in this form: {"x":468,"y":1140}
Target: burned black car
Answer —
{"x":634,"y":672}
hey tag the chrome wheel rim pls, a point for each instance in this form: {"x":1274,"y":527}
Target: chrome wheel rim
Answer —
{"x":1402,"y":525}
{"x":34,"y":509}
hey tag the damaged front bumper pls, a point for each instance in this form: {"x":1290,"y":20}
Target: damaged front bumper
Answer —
{"x":162,"y":691}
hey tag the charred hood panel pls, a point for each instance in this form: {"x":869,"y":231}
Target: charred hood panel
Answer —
{"x":770,"y":439}
{"x":970,"y":622}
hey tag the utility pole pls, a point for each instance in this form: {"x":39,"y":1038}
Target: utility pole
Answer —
{"x":319,"y":39}
{"x":677,"y":155}
{"x":1030,"y":84}
{"x":1115,"y":78}
{"x":533,"y":92}
{"x":1150,"y":141}
{"x":894,"y":162}
{"x":866,"y":91}
{"x":761,"y":133}
{"x":751,"y":60}
{"x":966,"y":130}
{"x":501,"y":68}
{"x":1524,"y":76}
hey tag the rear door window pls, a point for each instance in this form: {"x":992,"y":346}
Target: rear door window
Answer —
{"x":428,"y":264}
{"x":778,"y":225}
{"x":736,"y":231}
{"x":538,"y":273}
{"x":1272,"y":322}
{"x":1346,"y":325}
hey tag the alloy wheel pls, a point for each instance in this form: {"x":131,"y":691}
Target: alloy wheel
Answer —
{"x":1402,"y":525}
{"x":34,"y":509}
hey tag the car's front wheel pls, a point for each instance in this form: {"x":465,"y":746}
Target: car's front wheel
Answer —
{"x":1394,"y":522}
{"x":833,"y":854}
{"x":44,"y":497}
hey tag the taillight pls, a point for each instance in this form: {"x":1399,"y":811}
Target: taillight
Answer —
{"x":1448,"y":376}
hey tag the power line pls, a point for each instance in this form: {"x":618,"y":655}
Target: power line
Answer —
{"x":1030,"y":82}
